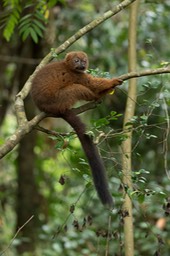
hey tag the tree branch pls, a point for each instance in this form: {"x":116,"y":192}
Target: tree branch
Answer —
{"x":116,"y":9}
{"x":28,"y":126}
{"x":25,"y":126}
{"x":148,"y":72}
{"x":19,"y":104}
{"x":16,"y":234}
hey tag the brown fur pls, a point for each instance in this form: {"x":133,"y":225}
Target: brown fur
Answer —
{"x":57,"y":87}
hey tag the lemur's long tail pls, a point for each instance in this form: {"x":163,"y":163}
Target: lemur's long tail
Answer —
{"x":95,"y":162}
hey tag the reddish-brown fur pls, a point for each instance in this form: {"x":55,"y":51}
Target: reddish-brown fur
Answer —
{"x":57,"y":87}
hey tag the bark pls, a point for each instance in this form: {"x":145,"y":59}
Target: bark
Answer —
{"x":28,"y":198}
{"x":127,"y":144}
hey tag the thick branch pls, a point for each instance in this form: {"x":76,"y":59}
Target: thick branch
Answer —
{"x":26,"y":88}
{"x":27,"y":126}
{"x":22,"y":130}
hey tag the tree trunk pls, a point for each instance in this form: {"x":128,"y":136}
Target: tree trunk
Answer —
{"x":28,"y":198}
{"x":127,"y":144}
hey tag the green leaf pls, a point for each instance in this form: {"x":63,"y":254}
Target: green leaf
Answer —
{"x":33,"y":35}
{"x":155,"y":105}
{"x":141,"y":198}
{"x":83,"y":162}
{"x":25,"y":34}
{"x":142,"y":180}
{"x":162,"y":194}
{"x":24,"y":28}
{"x":23,"y":23}
{"x":37,"y":30}
{"x":17,"y":12}
{"x":101,"y":122}
{"x":39,"y":24}
{"x":60,"y":145}
{"x":115,"y":117}
{"x":39,"y":15}
{"x":11,"y":20}
{"x":26,"y":17}
{"x":9,"y":29}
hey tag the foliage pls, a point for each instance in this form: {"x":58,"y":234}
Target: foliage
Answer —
{"x":28,"y":16}
{"x":73,"y":222}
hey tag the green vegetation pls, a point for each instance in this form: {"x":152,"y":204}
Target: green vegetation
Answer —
{"x":46,"y":176}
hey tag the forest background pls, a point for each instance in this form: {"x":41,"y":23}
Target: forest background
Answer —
{"x":48,"y":203}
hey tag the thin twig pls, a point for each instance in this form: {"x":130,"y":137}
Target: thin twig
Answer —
{"x":49,"y":132}
{"x":148,"y":72}
{"x":12,"y":240}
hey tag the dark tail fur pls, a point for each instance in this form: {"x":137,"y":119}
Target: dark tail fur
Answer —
{"x":95,"y":162}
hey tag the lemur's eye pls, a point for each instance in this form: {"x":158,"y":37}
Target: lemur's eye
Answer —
{"x":76,"y":60}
